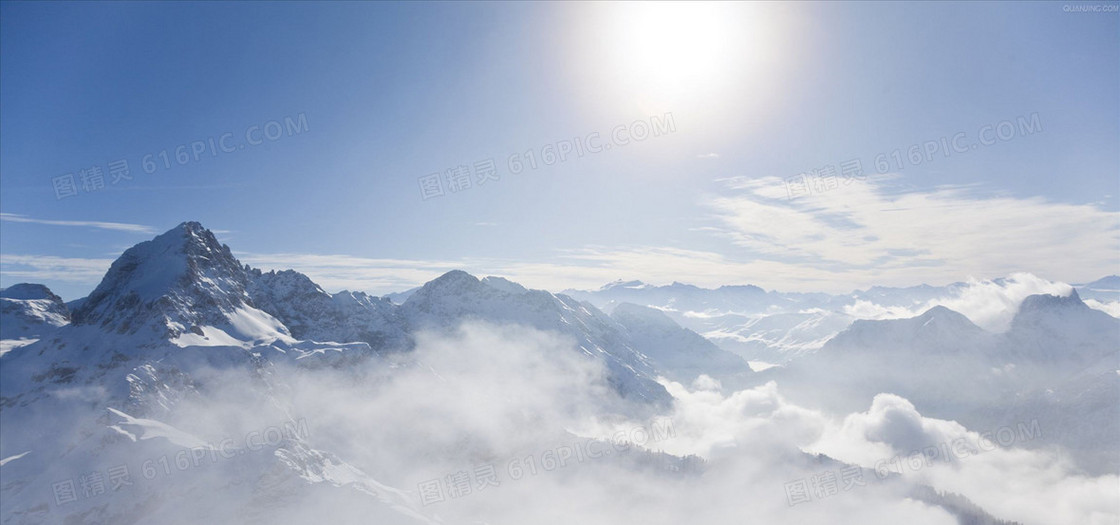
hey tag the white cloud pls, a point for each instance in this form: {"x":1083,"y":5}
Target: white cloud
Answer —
{"x":1111,"y":308}
{"x":891,"y":426}
{"x":855,"y":236}
{"x":993,"y":468}
{"x":41,"y":268}
{"x":868,"y":310}
{"x":113,"y":226}
{"x":869,"y":232}
{"x":713,"y":425}
{"x":991,"y":304}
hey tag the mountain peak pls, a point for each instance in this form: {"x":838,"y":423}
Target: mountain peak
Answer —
{"x":635,"y":284}
{"x":453,"y":279}
{"x":945,"y":319}
{"x":1045,"y":302}
{"x":741,"y":288}
{"x":29,"y":291}
{"x":634,"y":313}
{"x":29,"y":310}
{"x":677,"y":285}
{"x":191,"y":226}
{"x":1111,"y":283}
{"x":194,"y":234}
{"x":504,"y":285}
{"x":179,"y":279}
{"x":941,"y":312}
{"x":1051,"y":327}
{"x":937,"y":329}
{"x":454,"y":286}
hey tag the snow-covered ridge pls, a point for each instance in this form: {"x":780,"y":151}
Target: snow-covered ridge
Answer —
{"x":1057,"y":364}
{"x":174,"y":311}
{"x":178,"y":318}
{"x":778,"y":326}
{"x":171,"y":285}
{"x":309,"y":312}
{"x":185,"y":288}
{"x":28,"y":311}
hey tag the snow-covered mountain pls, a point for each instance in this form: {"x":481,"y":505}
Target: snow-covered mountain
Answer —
{"x":746,"y":320}
{"x":456,"y":296}
{"x":926,"y":357}
{"x":101,"y":386}
{"x":164,"y":374}
{"x":186,"y":288}
{"x":1105,"y":289}
{"x":682,"y":354}
{"x":771,"y":337}
{"x":937,"y":331}
{"x":779,"y":327}
{"x":27,"y":312}
{"x":757,"y":324}
{"x":89,"y":400}
{"x":172,"y":287}
{"x":1063,"y":331}
{"x":1058,"y":365}
{"x":311,"y":313}
{"x":1068,"y":364}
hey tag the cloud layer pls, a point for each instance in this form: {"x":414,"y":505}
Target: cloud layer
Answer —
{"x":113,"y":226}
{"x":877,"y":231}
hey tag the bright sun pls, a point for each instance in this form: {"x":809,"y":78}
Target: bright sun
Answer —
{"x":673,"y":53}
{"x":673,"y":46}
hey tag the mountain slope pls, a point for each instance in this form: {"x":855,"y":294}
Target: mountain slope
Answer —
{"x":309,"y":312}
{"x":171,"y":326}
{"x":1057,"y":366}
{"x":1063,"y":330}
{"x":681,"y":354}
{"x":30,"y":311}
{"x":457,"y":296}
{"x":182,"y":285}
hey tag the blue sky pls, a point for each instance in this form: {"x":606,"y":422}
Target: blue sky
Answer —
{"x":332,"y":113}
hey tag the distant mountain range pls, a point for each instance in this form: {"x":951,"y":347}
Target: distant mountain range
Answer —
{"x":1053,"y":358}
{"x":172,"y":308}
{"x":86,"y":383}
{"x":777,"y":327}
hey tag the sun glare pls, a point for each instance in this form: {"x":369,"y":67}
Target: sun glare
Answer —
{"x":675,"y":47}
{"x":681,"y":55}
{"x":671,"y":53}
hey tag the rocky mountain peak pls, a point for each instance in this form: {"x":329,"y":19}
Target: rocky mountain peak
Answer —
{"x":177,"y":280}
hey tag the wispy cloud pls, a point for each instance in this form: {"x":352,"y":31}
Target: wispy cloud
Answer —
{"x":708,"y":156}
{"x":862,"y":234}
{"x":48,"y":268}
{"x":870,"y":232}
{"x":114,"y":226}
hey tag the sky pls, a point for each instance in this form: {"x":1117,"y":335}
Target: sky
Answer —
{"x":374,"y":146}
